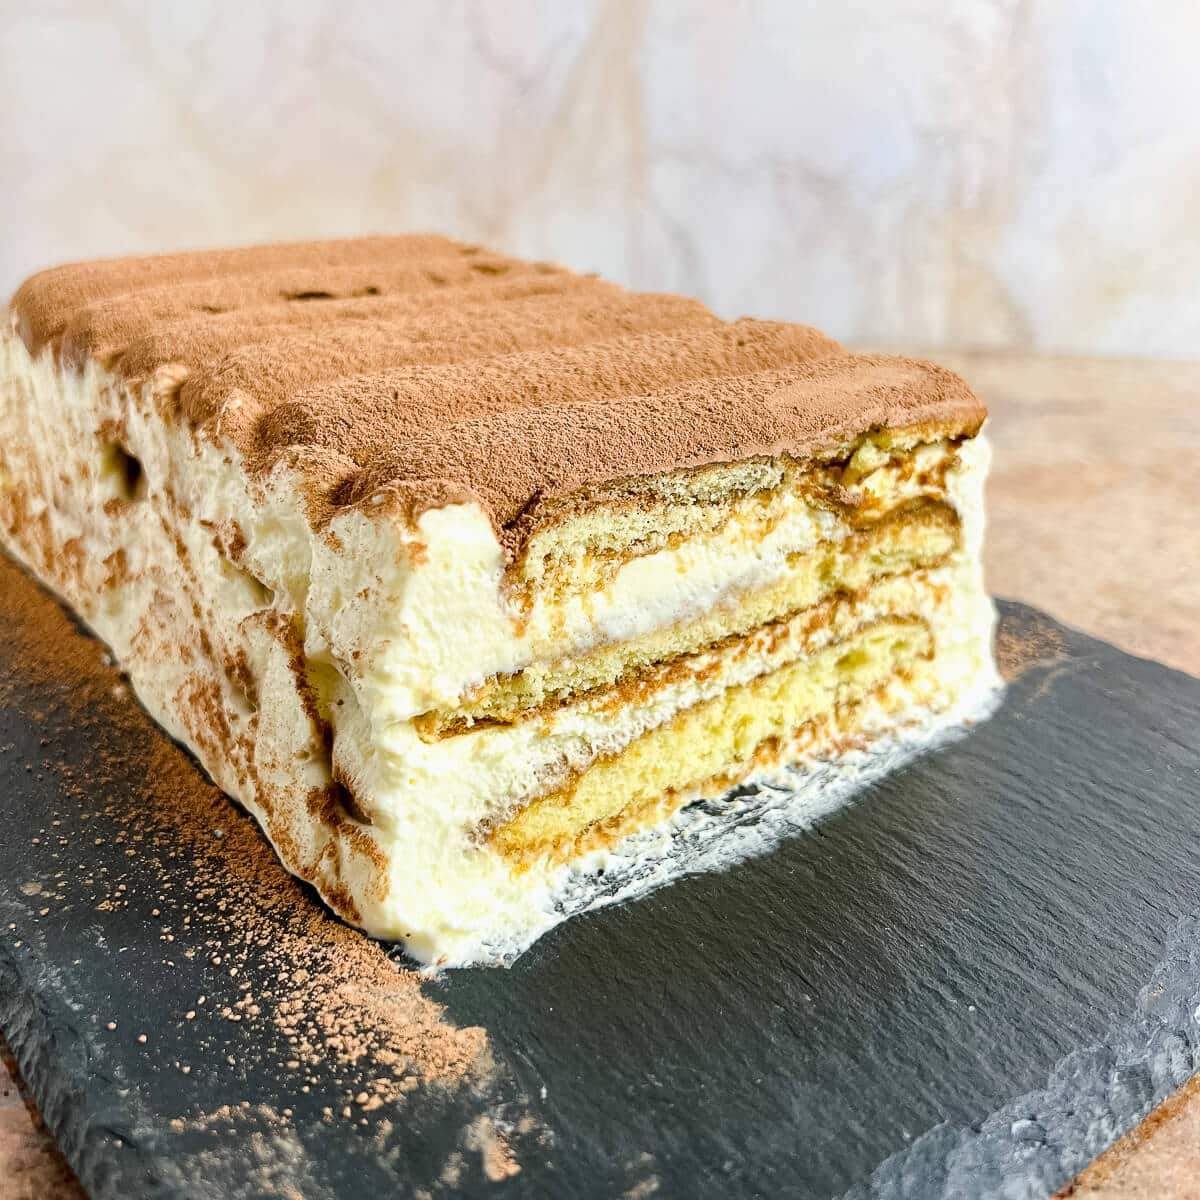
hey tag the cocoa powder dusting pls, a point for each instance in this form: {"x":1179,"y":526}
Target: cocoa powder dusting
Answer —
{"x":1018,"y":650}
{"x":400,"y":365}
{"x":492,"y":1146}
{"x":257,"y":1139}
{"x":342,"y":1008}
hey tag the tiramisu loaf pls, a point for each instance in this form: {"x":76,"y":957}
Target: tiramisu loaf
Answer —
{"x":462,"y":573}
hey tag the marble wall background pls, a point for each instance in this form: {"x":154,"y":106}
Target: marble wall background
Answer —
{"x":960,"y":173}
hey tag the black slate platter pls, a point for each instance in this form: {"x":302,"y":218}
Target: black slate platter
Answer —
{"x":966,"y":983}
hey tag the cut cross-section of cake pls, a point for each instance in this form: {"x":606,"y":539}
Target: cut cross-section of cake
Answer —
{"x":469,"y":576}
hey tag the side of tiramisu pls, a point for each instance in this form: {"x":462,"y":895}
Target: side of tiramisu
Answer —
{"x":457,"y":571}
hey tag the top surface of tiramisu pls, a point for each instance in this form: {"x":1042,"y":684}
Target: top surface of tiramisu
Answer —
{"x":431,"y":371}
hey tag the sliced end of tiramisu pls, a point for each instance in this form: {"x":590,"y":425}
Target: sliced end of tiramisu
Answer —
{"x":463,"y":573}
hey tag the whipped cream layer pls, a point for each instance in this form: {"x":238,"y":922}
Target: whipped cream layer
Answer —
{"x":294,"y":656}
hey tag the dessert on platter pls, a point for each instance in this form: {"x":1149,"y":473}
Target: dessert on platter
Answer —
{"x":470,"y":576}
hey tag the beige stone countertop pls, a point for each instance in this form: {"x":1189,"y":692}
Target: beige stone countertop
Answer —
{"x":1094,"y":509}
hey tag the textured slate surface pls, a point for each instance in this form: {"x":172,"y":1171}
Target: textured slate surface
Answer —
{"x":965,"y":984}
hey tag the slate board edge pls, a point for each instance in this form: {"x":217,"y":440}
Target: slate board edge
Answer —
{"x":52,"y":1057}
{"x":1114,"y":1085}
